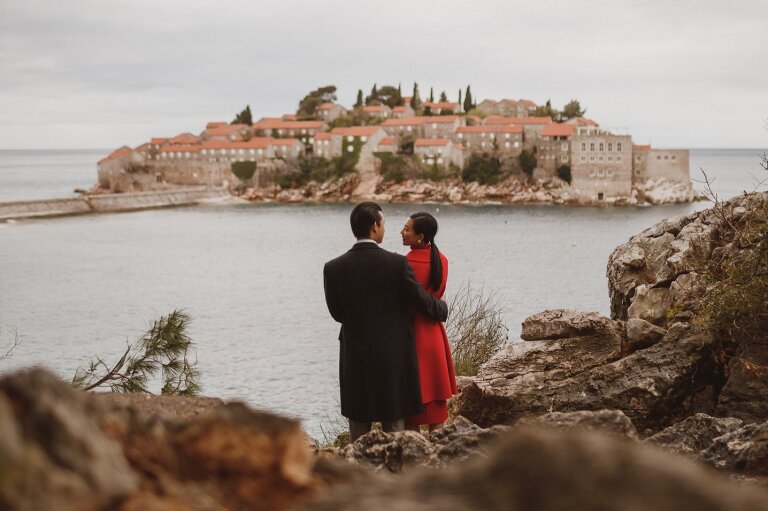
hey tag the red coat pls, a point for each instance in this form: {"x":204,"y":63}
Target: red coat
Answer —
{"x":436,"y":372}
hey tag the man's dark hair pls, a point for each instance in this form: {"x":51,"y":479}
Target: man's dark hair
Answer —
{"x":363,"y":217}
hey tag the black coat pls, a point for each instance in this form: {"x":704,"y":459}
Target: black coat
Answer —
{"x":371,"y":291}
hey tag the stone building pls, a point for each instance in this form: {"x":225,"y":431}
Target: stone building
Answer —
{"x":321,"y":145}
{"x":441,"y":126}
{"x":507,"y":140}
{"x":401,"y":112}
{"x":406,"y":126}
{"x":488,"y":107}
{"x":278,"y":128}
{"x":225,"y":131}
{"x":532,"y":126}
{"x":442,"y":107}
{"x":328,"y":112}
{"x":439,"y":151}
{"x":507,"y":107}
{"x":601,"y":164}
{"x":377,"y":111}
{"x":366,"y":137}
{"x":553,"y":148}
{"x":669,"y":164}
{"x":387,"y":145}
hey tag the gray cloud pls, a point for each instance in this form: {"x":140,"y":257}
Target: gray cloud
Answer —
{"x":100,"y":74}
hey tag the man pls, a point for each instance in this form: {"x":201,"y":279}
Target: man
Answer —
{"x":369,"y":291}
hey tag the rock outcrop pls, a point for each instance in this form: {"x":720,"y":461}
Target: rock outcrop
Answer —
{"x":651,"y":359}
{"x":62,"y":449}
{"x":553,"y":470}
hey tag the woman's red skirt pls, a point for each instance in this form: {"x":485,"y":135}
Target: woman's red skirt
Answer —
{"x":434,"y":412}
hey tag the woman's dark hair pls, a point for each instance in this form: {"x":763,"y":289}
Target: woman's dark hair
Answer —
{"x":424,"y":223}
{"x":363,"y":217}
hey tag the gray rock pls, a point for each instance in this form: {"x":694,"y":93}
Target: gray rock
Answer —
{"x":744,"y":394}
{"x":564,"y":323}
{"x":546,"y":470}
{"x":613,"y":422}
{"x":650,"y":304}
{"x":744,"y":450}
{"x":642,"y":334}
{"x":694,"y":434}
{"x":650,"y":386}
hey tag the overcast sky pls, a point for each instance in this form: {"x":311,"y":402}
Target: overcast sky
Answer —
{"x":100,"y":74}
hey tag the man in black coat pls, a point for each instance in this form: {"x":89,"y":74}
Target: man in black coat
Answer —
{"x":371,"y":292}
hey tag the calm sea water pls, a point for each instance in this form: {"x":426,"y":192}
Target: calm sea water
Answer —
{"x":251,"y":275}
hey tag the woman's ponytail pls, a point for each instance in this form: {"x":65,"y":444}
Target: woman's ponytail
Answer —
{"x":424,"y":223}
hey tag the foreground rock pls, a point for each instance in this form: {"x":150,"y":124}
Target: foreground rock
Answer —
{"x":61,"y":449}
{"x":548,"y":470}
{"x":694,"y":434}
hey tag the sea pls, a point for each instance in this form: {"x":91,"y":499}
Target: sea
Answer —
{"x":250,"y":275}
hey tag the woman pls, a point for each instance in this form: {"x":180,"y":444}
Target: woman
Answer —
{"x":436,"y":373}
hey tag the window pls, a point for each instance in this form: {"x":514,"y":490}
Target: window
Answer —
{"x":637,"y":158}
{"x":253,"y":151}
{"x":674,"y":157}
{"x":601,"y":173}
{"x":430,"y":151}
{"x":601,"y":146}
{"x":461,"y":135}
{"x":303,"y":131}
{"x":609,"y":173}
{"x":434,"y":125}
{"x":564,"y":147}
{"x":204,"y":151}
{"x":592,"y":146}
{"x":666,"y":157}
{"x":610,"y":158}
{"x":439,"y":161}
{"x":517,"y":144}
{"x":592,"y":173}
{"x":410,"y":128}
{"x":618,"y":158}
{"x":482,"y":134}
{"x":506,"y":144}
{"x":610,"y":146}
{"x":506,"y":135}
{"x":658,"y":157}
{"x":350,"y":138}
{"x":583,"y":146}
{"x":591,"y":158}
{"x":482,"y":144}
{"x":350,"y":148}
{"x":240,"y":151}
{"x":583,"y":159}
{"x":564,"y":159}
{"x":618,"y":146}
{"x":364,"y":139}
{"x":600,"y":158}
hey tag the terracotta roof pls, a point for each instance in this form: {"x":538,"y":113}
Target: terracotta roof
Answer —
{"x":356,"y":131}
{"x":442,"y":105}
{"x":254,"y":143}
{"x":215,"y":124}
{"x":558,"y":130}
{"x":375,"y":108}
{"x":586,"y":122}
{"x":407,"y":99}
{"x":326,"y":106}
{"x":403,"y":108}
{"x":276,"y":124}
{"x":441,"y":118}
{"x":180,"y":148}
{"x":495,"y":119}
{"x":491,"y":101}
{"x":323,"y":136}
{"x":289,"y":117}
{"x":640,"y":147}
{"x":159,"y":140}
{"x":225,"y":130}
{"x":184,"y":138}
{"x":406,"y":121}
{"x":388,"y":141}
{"x":528,"y":102}
{"x":123,"y":151}
{"x":510,"y":101}
{"x":427,"y":142}
{"x":490,"y":129}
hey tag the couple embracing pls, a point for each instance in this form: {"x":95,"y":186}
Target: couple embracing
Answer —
{"x":395,"y":362}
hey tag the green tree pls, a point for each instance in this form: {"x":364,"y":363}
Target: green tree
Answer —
{"x":572,"y":109}
{"x":527,"y":161}
{"x":373,"y":97}
{"x":546,"y":110}
{"x":459,"y":98}
{"x":359,"y":102}
{"x":164,"y":349}
{"x":564,"y":173}
{"x":484,"y":168}
{"x":389,"y":96}
{"x":308,"y":105}
{"x":431,"y":95}
{"x":244,"y":117}
{"x":468,"y":100}
{"x":443,"y":97}
{"x":244,"y":170}
{"x":415,"y":99}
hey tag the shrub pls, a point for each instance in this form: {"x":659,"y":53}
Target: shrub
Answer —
{"x":244,"y":170}
{"x":527,"y":162}
{"x":484,"y":168}
{"x":564,"y":173}
{"x":476,"y":330}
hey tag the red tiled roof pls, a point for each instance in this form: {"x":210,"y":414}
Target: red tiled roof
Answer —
{"x":494,"y":119}
{"x":254,"y":143}
{"x":184,"y":138}
{"x":427,"y":142}
{"x":180,"y":148}
{"x":641,"y":147}
{"x":388,"y":141}
{"x":442,"y":105}
{"x":406,"y":121}
{"x":276,"y":124}
{"x":117,"y":153}
{"x":490,"y":129}
{"x":441,"y":118}
{"x":323,"y":136}
{"x":512,"y":102}
{"x":225,"y":130}
{"x":399,"y":109}
{"x":558,"y":130}
{"x":159,"y":140}
{"x":528,"y":102}
{"x":356,"y":131}
{"x":326,"y":106}
{"x":375,"y":108}
{"x":215,"y":124}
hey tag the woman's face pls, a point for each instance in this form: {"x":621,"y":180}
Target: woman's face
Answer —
{"x":410,"y":238}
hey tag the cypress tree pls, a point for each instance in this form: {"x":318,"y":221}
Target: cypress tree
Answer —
{"x":468,"y":100}
{"x":459,"y":98}
{"x":431,"y":95}
{"x":359,"y":102}
{"x":443,"y":97}
{"x":415,"y":99}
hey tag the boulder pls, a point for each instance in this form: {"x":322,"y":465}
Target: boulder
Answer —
{"x":650,"y":304}
{"x":613,"y":422}
{"x":642,"y":334}
{"x":564,"y":323}
{"x":546,"y":470}
{"x":744,"y":393}
{"x":651,"y":386}
{"x":694,"y":434}
{"x":743,"y":451}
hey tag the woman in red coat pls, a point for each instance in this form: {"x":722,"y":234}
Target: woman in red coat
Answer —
{"x":436,"y":372}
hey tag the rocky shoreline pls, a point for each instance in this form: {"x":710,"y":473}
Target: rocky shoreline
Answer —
{"x":455,"y":191}
{"x":642,"y":410}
